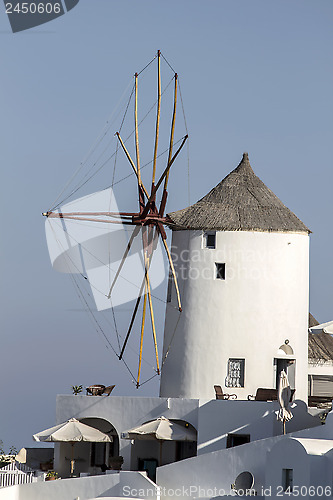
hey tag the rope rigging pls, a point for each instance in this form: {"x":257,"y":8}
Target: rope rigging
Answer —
{"x":77,"y":188}
{"x":83,"y":182}
{"x":96,"y":322}
{"x":149,"y":214}
{"x":91,"y":151}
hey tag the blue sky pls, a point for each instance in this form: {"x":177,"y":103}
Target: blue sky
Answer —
{"x":255,"y":76}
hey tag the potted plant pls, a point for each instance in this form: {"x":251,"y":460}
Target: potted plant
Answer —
{"x":51,"y":476}
{"x":7,"y":458}
{"x":77,"y":389}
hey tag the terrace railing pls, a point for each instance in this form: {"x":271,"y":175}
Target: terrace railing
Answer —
{"x":16,"y":473}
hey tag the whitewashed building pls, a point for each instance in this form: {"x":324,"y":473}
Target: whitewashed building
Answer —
{"x":242,"y":260}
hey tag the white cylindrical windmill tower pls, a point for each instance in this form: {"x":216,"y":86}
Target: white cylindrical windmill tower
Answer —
{"x":242,"y":261}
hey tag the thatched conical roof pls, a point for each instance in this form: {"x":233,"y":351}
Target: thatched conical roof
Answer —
{"x":312,"y":321}
{"x":240,"y":202}
{"x":320,"y":346}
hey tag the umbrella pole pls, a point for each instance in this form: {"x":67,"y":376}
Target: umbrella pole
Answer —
{"x":284,"y":426}
{"x":72,"y":459}
{"x":161,"y":444}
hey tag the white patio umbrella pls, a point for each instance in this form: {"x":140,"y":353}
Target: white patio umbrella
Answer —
{"x":161,"y":429}
{"x":72,"y":431}
{"x":284,"y":395}
{"x":324,"y":328}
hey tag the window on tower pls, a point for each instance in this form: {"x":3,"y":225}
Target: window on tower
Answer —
{"x":236,"y":372}
{"x":210,"y":239}
{"x":220,"y":271}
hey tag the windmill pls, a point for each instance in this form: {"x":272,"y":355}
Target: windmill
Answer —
{"x":147,"y":223}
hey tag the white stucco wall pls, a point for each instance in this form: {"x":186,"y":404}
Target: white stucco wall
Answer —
{"x":262,"y":302}
{"x":208,"y":471}
{"x":123,"y":413}
{"x":319,"y":431}
{"x":306,"y":458}
{"x":212,"y":419}
{"x":218,"y":418}
{"x":212,"y":474}
{"x":308,"y":452}
{"x":126,"y":484}
{"x":66,"y":489}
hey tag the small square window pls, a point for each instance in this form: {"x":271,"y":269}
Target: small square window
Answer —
{"x":210,"y":239}
{"x":220,"y":271}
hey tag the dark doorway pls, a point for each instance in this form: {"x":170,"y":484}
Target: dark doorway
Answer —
{"x":148,"y":465}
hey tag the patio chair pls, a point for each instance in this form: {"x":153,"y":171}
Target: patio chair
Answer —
{"x":219,"y":393}
{"x":107,"y":391}
{"x":267,"y":395}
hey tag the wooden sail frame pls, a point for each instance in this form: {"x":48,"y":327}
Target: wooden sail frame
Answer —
{"x":149,"y":218}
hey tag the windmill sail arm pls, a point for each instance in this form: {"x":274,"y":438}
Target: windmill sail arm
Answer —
{"x":153,"y":193}
{"x":172,"y":130}
{"x":89,"y":214}
{"x":141,"y":185}
{"x":122,"y":217}
{"x":165,"y":176}
{"x":91,"y":219}
{"x":152,"y":319}
{"x":163,"y":202}
{"x":141,"y":335}
{"x":173,"y":273}
{"x":132,"y":321}
{"x":145,"y":283}
{"x":129,"y":218}
{"x":158,"y":113}
{"x":134,"y":234}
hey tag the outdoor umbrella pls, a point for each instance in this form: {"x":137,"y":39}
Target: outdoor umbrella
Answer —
{"x":284,"y":413}
{"x":323,"y":328}
{"x":161,"y":430}
{"x":72,"y":431}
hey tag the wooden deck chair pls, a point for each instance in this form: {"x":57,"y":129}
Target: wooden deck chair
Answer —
{"x":107,"y":391}
{"x":219,"y":393}
{"x":268,"y":395}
